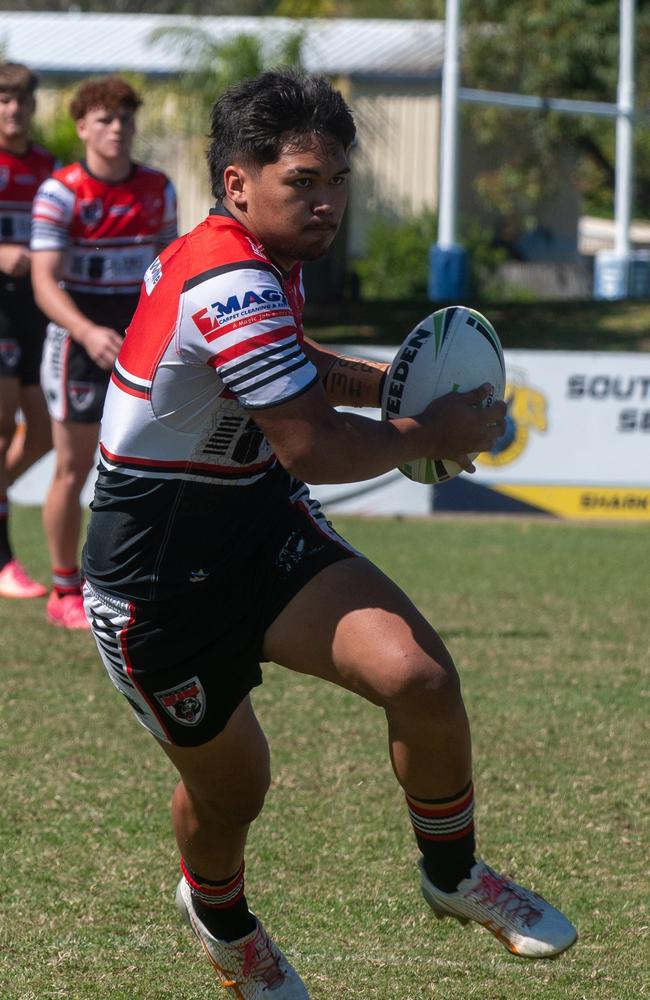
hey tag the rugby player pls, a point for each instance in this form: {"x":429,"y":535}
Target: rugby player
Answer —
{"x":23,"y":166}
{"x":206,"y":554}
{"x":96,"y":227}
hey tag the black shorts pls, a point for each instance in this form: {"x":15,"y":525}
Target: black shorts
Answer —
{"x":185,"y":665}
{"x":22,"y":332}
{"x":73,"y":385}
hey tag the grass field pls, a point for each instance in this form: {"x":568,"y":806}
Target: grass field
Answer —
{"x":548,"y":624}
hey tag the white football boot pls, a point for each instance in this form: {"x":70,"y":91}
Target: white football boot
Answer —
{"x":522,"y":921}
{"x":251,"y":968}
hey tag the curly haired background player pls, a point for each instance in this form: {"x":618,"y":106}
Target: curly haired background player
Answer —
{"x":97,"y":225}
{"x":23,"y":166}
{"x":206,"y":554}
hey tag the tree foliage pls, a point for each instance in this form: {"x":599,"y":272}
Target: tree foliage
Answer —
{"x":287,"y":8}
{"x":214,"y":66}
{"x":566,"y":49}
{"x":395,"y":264}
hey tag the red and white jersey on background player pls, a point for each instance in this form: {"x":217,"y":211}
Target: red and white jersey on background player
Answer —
{"x":216,"y":335}
{"x":20,"y":177}
{"x":111,"y":230}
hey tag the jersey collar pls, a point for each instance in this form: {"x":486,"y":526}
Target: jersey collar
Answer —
{"x":220,"y":210}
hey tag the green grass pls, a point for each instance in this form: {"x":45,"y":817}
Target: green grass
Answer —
{"x":559,"y":326}
{"x":548,"y":624}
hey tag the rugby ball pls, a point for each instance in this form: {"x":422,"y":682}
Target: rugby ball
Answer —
{"x":453,"y":350}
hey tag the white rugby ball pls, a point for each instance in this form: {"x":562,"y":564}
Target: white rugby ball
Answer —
{"x":453,"y":350}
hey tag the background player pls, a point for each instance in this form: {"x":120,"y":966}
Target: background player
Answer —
{"x":97,"y":225}
{"x":206,"y":554}
{"x":23,"y":166}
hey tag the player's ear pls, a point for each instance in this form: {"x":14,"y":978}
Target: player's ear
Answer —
{"x":234,"y":179}
{"x":82,"y":130}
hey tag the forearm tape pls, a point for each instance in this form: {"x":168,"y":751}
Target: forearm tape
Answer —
{"x":355,"y":382}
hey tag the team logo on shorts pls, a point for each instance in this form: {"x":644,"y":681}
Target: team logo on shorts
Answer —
{"x":185,"y":702}
{"x":82,"y":395}
{"x":90,"y":210}
{"x":9,"y":354}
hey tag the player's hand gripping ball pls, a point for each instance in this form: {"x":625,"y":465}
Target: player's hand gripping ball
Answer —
{"x":453,"y":350}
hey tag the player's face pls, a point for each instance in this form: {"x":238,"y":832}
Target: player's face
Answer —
{"x":295,"y":205}
{"x":108,"y":134}
{"x":16,"y":110}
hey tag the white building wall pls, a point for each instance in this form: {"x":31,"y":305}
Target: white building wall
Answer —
{"x":395,"y":161}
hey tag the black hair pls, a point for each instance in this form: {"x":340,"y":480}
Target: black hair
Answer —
{"x":253,"y":121}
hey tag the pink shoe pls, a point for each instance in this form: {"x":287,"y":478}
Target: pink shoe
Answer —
{"x":14,"y":582}
{"x":67,"y":611}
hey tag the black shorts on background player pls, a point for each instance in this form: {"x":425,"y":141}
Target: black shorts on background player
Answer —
{"x":74,"y":386}
{"x":22,"y":331}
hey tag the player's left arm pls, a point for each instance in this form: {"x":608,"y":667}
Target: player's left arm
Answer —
{"x":347,"y":381}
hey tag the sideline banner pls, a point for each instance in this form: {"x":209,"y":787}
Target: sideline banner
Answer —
{"x":577,"y":445}
{"x":577,"y":442}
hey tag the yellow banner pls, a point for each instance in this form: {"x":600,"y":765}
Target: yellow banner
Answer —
{"x":611,"y":503}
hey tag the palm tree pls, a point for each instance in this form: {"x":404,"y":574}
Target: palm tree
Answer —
{"x":214,"y":65}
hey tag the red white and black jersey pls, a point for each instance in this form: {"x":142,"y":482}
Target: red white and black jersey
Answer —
{"x":111,"y":230}
{"x":217,"y":335}
{"x":20,"y":177}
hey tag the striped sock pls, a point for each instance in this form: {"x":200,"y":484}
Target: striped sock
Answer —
{"x":66,"y":581}
{"x":6,"y":554}
{"x":444,"y":830}
{"x":221,"y":906}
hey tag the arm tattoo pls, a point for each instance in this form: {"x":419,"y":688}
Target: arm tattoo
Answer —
{"x":355,"y":382}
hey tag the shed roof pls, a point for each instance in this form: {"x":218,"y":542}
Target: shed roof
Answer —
{"x":75,"y":43}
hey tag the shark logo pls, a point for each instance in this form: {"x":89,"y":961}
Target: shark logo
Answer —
{"x":527,"y":411}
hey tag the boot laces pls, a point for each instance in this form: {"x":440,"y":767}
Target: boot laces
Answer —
{"x":502,"y":895}
{"x":262,"y":960}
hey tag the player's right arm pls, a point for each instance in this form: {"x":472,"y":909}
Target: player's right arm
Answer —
{"x":101,"y":343}
{"x":52,"y":215}
{"x":237,"y":319}
{"x":319,"y":444}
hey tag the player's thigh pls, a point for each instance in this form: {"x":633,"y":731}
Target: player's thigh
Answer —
{"x":354,"y":626}
{"x":232,"y":766}
{"x":75,"y":445}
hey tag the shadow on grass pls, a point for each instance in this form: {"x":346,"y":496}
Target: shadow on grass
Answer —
{"x":569,"y":326}
{"x":485,"y":633}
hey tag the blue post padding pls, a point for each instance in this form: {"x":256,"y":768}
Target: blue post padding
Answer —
{"x":448,"y":274}
{"x":611,"y":275}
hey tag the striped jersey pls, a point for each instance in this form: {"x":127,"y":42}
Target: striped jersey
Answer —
{"x":20,"y":177}
{"x":110,"y":230}
{"x":217,"y":335}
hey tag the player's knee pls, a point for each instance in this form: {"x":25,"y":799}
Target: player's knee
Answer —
{"x":242,"y":805}
{"x":425,"y":685}
{"x":245,"y":809}
{"x":71,"y":476}
{"x":241,"y":801}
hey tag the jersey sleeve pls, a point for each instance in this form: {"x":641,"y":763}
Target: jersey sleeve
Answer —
{"x":52,"y":214}
{"x":169,"y":224}
{"x":239,"y":321}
